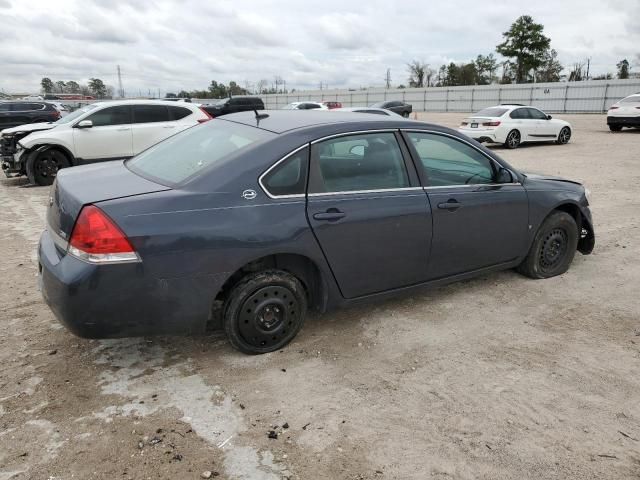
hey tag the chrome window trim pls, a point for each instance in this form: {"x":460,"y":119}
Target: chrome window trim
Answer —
{"x":473,"y":185}
{"x":266,"y":172}
{"x":356,"y":132}
{"x":360,"y":192}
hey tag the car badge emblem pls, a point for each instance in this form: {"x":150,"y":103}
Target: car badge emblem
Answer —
{"x":249,"y":194}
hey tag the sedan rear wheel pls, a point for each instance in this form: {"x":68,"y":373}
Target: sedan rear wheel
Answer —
{"x":264,"y":311}
{"x":513,"y":139}
{"x":564,"y":136}
{"x":553,"y":248}
{"x":405,"y":114}
{"x":615,"y":128}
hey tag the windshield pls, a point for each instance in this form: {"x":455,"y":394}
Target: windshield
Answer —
{"x":187,"y":154}
{"x":491,"y":112}
{"x":78,"y":113}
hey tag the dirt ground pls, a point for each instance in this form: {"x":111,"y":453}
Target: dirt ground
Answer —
{"x":500,"y":377}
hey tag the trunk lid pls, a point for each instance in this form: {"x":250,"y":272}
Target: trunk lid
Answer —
{"x":478,"y":121}
{"x":79,"y":186}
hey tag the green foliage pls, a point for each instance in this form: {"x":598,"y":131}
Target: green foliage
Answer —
{"x":550,"y":68}
{"x":97,"y":87}
{"x":623,"y":69}
{"x":526,"y":43}
{"x":486,"y":66}
{"x":73,"y":87}
{"x":47,"y":85}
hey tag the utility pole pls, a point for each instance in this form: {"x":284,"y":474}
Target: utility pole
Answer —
{"x":121,"y":90}
{"x":387,"y":78}
{"x":588,"y":64}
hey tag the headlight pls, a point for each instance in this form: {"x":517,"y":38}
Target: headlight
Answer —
{"x":587,"y":194}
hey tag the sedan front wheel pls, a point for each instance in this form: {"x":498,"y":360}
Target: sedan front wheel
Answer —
{"x":264,"y":311}
{"x":564,"y":136}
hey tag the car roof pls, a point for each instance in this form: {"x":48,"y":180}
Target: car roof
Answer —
{"x":280,"y":121}
{"x":115,"y":103}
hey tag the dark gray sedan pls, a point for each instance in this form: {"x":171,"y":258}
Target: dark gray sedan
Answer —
{"x":248,"y":221}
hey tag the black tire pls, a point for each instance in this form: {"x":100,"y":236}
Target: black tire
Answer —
{"x":405,"y":114}
{"x":513,"y":139}
{"x":42,"y":167}
{"x":553,"y":248}
{"x":615,"y":128}
{"x":564,"y":136}
{"x":264,"y":311}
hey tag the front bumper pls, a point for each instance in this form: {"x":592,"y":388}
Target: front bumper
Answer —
{"x":624,"y":121}
{"x":121,"y":300}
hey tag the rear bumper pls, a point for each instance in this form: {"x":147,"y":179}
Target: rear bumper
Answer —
{"x":488,"y":136}
{"x":624,"y":121}
{"x":121,"y":300}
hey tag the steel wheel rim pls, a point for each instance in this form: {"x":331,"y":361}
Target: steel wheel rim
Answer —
{"x":565,"y":135}
{"x":47,"y":165}
{"x":514,"y":139}
{"x":268,"y":316}
{"x":553,"y":250}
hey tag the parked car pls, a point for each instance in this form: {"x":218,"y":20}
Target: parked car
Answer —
{"x":332,"y":105}
{"x":21,"y":112}
{"x":513,"y":125}
{"x":624,"y":113}
{"x":373,"y":110}
{"x":234,"y":105}
{"x":395,"y":106}
{"x":248,"y":221}
{"x":305,"y":106}
{"x":96,"y":132}
{"x":63,"y":109}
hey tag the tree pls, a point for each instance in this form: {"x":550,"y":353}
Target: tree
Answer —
{"x":262,"y":85}
{"x":47,"y":85}
{"x":184,"y":94}
{"x":486,"y":66}
{"x":550,"y":69}
{"x":170,"y":95}
{"x":525,"y":42}
{"x":603,"y":76}
{"x":97,"y":87}
{"x":417,"y":73}
{"x":577,"y":72}
{"x":235,"y":89}
{"x":623,"y":69}
{"x":73,"y":87}
{"x":218,"y":90}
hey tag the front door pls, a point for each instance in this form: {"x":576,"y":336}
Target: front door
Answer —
{"x":477,"y":222}
{"x":371,"y":221}
{"x":108,"y":138}
{"x":546,"y":130}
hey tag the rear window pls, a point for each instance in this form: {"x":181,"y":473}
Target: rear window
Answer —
{"x":491,"y":112}
{"x":178,"y":113}
{"x":632,"y":99}
{"x":189,"y":153}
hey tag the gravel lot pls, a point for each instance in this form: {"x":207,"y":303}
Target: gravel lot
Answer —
{"x":498,"y":377}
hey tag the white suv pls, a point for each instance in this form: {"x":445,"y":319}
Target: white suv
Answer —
{"x":96,"y":132}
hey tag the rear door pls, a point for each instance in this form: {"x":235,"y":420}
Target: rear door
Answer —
{"x":369,"y":215}
{"x":108,"y":138}
{"x":524,"y":124}
{"x":151,"y":124}
{"x":477,"y":222}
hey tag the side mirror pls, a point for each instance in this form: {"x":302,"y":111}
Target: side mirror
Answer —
{"x":504,"y":176}
{"x":549,"y":117}
{"x":84,"y":124}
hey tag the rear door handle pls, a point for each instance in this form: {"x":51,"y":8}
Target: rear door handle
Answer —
{"x":450,"y":205}
{"x":123,"y":129}
{"x":169,"y":126}
{"x":330,"y":215}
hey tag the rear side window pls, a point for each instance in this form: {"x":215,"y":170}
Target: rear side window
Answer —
{"x":371,"y":161}
{"x":289,"y":177}
{"x":519,"y":113}
{"x":111,"y":116}
{"x":632,"y":99}
{"x":189,"y":153}
{"x":178,"y":113}
{"x":150,"y":113}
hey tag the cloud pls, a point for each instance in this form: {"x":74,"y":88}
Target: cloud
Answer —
{"x":172,"y":45}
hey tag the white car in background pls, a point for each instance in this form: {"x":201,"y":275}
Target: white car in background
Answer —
{"x":624,"y":113}
{"x":512,"y":125}
{"x":305,"y":106}
{"x":96,"y":132}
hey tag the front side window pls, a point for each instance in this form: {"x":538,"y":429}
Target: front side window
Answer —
{"x":371,"y":161}
{"x":536,"y":114}
{"x":288,"y":177}
{"x":189,"y":153}
{"x":447,"y":161}
{"x":150,"y":113}
{"x":111,"y":116}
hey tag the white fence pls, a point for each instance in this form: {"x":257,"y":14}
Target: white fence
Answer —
{"x":594,"y":96}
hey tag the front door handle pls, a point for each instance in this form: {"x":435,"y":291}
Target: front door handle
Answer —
{"x":451,"y":205}
{"x":330,"y":215}
{"x":124,"y":129}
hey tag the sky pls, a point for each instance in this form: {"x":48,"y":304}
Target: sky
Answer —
{"x":174,"y":45}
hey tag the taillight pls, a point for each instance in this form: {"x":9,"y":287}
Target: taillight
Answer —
{"x":491,"y":124}
{"x":97,"y":239}
{"x":613,"y":108}
{"x":209,"y":117}
{"x":56,"y":114}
